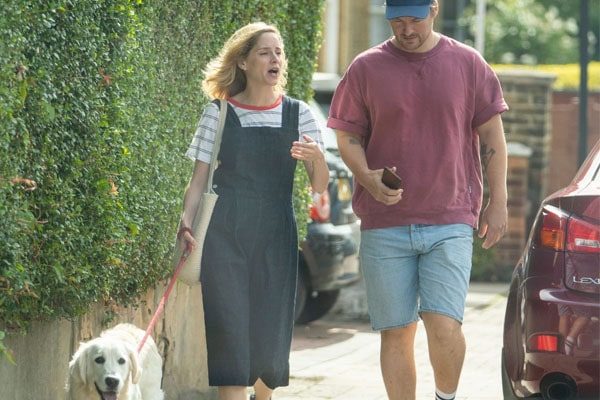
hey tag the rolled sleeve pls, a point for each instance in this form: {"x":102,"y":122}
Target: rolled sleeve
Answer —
{"x":497,"y":107}
{"x":348,"y":112}
{"x":341,"y":125}
{"x":489,"y":100}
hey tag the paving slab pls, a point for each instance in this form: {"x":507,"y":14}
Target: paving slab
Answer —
{"x":337,"y":358}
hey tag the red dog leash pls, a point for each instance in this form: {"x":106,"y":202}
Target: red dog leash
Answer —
{"x":163,"y":300}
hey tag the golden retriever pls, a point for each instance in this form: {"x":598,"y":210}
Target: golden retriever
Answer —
{"x":110,"y":368}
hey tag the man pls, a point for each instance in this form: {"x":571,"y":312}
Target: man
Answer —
{"x":429,"y":107}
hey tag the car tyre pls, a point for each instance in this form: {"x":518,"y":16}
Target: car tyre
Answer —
{"x":507,"y":391}
{"x":512,"y":333}
{"x":317,"y":306}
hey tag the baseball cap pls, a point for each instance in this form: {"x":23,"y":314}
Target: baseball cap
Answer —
{"x":407,"y":8}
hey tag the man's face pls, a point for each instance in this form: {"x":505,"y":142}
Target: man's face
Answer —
{"x":414,"y":34}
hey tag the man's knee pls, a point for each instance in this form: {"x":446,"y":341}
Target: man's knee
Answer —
{"x":441,"y":328}
{"x":399,"y":336}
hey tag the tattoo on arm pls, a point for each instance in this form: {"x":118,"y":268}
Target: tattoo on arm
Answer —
{"x":353,"y":140}
{"x":486,"y":155}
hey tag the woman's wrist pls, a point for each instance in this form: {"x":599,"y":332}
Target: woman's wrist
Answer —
{"x":182,"y":230}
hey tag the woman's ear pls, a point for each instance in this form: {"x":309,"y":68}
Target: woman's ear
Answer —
{"x":242,"y":65}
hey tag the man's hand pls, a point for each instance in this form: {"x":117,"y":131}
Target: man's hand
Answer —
{"x":494,"y":222}
{"x":380,"y":192}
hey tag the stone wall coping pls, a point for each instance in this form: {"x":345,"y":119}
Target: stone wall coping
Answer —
{"x":527,"y":75}
{"x":516,"y":149}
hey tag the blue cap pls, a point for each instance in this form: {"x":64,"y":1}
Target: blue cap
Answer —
{"x":407,"y":8}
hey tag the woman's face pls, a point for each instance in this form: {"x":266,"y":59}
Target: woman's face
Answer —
{"x":263,"y":64}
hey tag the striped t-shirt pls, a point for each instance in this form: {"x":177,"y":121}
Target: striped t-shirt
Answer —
{"x":202,"y":144}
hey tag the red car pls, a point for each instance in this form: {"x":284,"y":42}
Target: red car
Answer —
{"x":551,"y":336}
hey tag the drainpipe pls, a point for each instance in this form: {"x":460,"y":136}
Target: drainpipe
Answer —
{"x":480,"y":27}
{"x":583,"y":80}
{"x":332,"y":36}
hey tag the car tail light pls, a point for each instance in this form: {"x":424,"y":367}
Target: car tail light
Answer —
{"x":583,"y":237}
{"x":320,"y":210}
{"x":554,"y":223}
{"x":543,"y":342}
{"x":344,"y":192}
{"x":561,"y":232}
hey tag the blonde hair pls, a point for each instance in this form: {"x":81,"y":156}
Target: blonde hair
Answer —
{"x":223,"y":78}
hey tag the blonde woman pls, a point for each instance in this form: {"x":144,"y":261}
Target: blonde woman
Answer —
{"x":249,"y":263}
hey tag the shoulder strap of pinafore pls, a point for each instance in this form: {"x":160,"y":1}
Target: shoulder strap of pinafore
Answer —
{"x":290,"y":113}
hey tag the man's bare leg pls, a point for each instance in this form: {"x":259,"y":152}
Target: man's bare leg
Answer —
{"x":398,"y":362}
{"x":446,"y":350}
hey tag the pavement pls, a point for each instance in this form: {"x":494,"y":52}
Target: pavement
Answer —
{"x":337,"y":357}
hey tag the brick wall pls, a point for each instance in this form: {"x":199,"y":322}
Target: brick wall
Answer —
{"x":529,"y":97}
{"x":563,"y":161}
{"x":528,"y":132}
{"x":542,"y":131}
{"x":508,"y":251}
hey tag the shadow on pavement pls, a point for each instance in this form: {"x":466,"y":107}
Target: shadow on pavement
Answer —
{"x":326,"y":332}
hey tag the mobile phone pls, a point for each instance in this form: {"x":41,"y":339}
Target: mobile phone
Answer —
{"x":390,"y":179}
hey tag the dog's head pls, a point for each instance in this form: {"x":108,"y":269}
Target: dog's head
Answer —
{"x":106,"y":365}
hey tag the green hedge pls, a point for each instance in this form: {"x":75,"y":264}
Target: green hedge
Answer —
{"x":98,"y":102}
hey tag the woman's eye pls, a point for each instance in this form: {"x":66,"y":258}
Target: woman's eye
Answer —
{"x":99,"y":360}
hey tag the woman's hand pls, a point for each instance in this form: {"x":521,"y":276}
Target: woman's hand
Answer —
{"x":308,"y":150}
{"x":314,"y":161}
{"x":188,"y":243}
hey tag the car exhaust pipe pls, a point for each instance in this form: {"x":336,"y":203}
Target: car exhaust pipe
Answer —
{"x":558,"y":386}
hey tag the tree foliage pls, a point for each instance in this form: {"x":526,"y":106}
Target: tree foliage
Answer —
{"x":534,"y":31}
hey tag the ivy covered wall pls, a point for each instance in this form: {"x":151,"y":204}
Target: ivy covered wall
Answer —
{"x":98,"y":102}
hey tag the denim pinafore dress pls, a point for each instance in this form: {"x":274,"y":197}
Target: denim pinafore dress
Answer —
{"x":250,"y":256}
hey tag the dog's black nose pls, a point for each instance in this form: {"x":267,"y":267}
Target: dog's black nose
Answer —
{"x":111,"y":383}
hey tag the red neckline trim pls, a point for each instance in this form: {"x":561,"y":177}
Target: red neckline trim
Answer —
{"x":256,"y":108}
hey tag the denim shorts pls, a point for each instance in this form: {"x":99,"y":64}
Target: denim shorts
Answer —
{"x":413,"y":269}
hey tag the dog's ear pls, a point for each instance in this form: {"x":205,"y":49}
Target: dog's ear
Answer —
{"x":78,"y":365}
{"x":136,"y":367}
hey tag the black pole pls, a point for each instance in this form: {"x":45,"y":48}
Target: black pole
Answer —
{"x":583,"y":81}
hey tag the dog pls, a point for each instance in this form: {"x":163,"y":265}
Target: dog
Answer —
{"x":110,"y":368}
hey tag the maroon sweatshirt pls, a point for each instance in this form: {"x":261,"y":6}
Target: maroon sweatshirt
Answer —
{"x":419,"y":112}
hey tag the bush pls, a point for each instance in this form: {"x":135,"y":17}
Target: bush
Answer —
{"x":98,"y":102}
{"x":485,"y":267}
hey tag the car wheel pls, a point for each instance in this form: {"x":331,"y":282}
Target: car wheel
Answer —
{"x":302,"y":290}
{"x":507,"y":391}
{"x":512,"y":354}
{"x":317,"y":306}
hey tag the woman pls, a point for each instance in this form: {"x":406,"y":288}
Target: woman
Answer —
{"x":249,"y":263}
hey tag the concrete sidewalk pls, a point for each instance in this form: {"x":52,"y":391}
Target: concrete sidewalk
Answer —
{"x":337,"y":358}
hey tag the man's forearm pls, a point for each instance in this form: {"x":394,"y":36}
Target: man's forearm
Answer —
{"x":353,"y":153}
{"x":494,"y":158}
